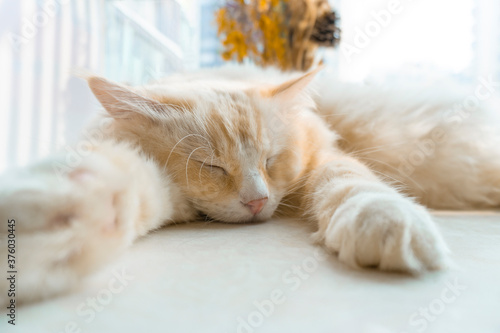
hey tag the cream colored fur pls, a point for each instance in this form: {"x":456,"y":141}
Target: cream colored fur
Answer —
{"x":210,"y":144}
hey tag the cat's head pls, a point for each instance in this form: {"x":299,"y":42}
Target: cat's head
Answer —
{"x":234,"y":149}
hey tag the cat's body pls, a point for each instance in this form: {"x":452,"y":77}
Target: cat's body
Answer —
{"x":241,"y":145}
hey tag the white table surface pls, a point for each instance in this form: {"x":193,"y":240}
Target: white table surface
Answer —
{"x":209,"y":277}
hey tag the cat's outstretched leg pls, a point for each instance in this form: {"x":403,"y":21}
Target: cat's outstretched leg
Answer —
{"x":68,"y":224}
{"x":368,"y":223}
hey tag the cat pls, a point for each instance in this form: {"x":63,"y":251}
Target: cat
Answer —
{"x":241,"y":144}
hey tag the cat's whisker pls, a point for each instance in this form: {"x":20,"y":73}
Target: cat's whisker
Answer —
{"x":202,"y":164}
{"x":394,"y":168}
{"x":182,"y":139}
{"x":375,"y":149}
{"x":287,"y":205}
{"x":187,"y":162}
{"x":396,"y":181}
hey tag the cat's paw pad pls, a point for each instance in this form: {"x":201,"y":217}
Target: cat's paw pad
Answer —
{"x":387,"y":232}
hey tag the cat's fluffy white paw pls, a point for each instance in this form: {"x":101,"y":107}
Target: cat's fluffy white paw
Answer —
{"x":385,"y":231}
{"x":65,"y":226}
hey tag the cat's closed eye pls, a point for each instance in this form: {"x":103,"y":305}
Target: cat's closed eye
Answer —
{"x":216,"y":168}
{"x":213,"y":168}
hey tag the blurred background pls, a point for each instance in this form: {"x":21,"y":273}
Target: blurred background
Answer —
{"x":42,"y":42}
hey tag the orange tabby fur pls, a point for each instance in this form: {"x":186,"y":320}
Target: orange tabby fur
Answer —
{"x":211,"y":143}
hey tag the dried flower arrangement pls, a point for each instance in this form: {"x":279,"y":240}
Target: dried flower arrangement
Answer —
{"x":284,"y":33}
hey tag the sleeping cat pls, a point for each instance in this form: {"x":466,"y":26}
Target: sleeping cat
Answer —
{"x":241,"y":145}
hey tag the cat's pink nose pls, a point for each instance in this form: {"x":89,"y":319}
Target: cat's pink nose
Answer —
{"x":256,"y":205}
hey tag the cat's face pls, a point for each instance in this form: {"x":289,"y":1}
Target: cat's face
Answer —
{"x":231,"y":162}
{"x":233,"y":153}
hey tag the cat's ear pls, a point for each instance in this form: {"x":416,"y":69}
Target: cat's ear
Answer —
{"x":121,"y":102}
{"x":290,"y":89}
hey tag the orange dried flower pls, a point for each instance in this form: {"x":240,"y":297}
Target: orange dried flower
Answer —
{"x":262,"y":30}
